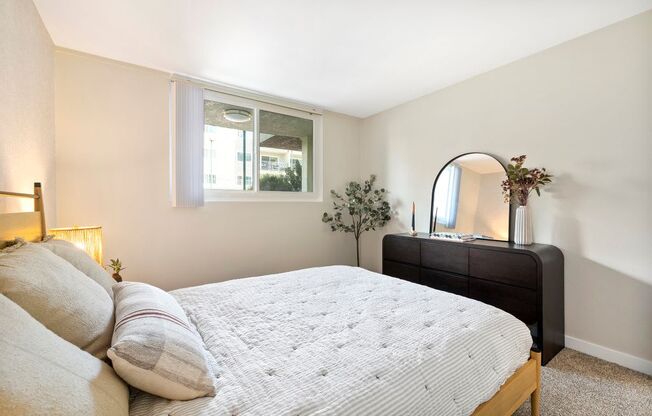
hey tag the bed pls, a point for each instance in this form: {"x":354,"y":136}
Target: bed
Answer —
{"x":342,"y":340}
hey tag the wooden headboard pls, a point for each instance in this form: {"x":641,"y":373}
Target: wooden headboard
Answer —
{"x":29,"y":226}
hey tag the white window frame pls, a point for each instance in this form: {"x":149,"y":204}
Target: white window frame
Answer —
{"x":316,"y":195}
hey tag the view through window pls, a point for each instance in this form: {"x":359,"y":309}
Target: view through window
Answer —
{"x":235,"y":137}
{"x":225,"y":145}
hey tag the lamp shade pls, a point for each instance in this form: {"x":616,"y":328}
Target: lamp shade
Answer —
{"x":88,"y":239}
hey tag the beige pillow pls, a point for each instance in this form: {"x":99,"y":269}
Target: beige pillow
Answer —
{"x":59,"y":296}
{"x":82,"y":261}
{"x":154,"y":347}
{"x":42,"y":374}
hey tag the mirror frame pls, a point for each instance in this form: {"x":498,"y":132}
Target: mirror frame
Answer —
{"x":431,"y":226}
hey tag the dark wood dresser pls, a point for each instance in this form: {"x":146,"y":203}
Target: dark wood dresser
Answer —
{"x":526,"y":281}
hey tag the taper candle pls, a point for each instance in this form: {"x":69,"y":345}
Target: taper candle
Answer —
{"x":413,"y":210}
{"x":434,"y":221}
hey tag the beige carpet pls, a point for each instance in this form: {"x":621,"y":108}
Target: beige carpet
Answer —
{"x":578,"y":384}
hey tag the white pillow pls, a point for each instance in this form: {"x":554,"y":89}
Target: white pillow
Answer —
{"x":154,"y":347}
{"x":82,"y":262}
{"x":42,"y":374}
{"x":58,"y":295}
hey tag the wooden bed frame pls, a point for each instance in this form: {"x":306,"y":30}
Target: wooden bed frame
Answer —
{"x":524,"y":383}
{"x":29,"y":226}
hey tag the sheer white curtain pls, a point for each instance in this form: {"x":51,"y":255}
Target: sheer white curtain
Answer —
{"x":186,"y":144}
{"x":447,"y":194}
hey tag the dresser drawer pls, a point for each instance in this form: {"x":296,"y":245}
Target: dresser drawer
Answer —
{"x":401,"y":249}
{"x":518,"y":301}
{"x":402,"y":271}
{"x":447,"y":257}
{"x":447,"y":282}
{"x":510,"y":268}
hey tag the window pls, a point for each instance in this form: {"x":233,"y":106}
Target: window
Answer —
{"x":447,"y":196}
{"x":272,"y":147}
{"x":210,"y":178}
{"x":248,"y":180}
{"x":241,"y":157}
{"x":225,"y":143}
{"x":269,"y":163}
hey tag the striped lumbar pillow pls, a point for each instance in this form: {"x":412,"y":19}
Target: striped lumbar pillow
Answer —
{"x":154,"y":347}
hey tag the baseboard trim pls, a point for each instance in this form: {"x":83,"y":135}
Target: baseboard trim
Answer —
{"x":621,"y":358}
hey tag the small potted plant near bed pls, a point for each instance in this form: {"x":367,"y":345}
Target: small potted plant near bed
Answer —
{"x":116,"y":266}
{"x":520,"y":182}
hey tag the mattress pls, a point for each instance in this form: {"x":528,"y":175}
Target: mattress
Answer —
{"x":344,"y":341}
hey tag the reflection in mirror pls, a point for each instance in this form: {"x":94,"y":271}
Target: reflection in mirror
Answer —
{"x":468,"y":199}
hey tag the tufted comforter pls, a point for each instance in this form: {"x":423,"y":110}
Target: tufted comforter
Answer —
{"x":345,"y":341}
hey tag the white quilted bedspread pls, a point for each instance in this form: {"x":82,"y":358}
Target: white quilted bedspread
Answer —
{"x":345,"y":341}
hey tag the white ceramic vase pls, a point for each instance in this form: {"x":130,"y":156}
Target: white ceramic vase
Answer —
{"x":523,"y":228}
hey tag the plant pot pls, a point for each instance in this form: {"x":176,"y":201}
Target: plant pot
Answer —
{"x":117,"y":277}
{"x":523,"y":233}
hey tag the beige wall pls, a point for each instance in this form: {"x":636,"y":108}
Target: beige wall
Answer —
{"x":26,"y":105}
{"x":581,"y":109}
{"x":467,"y":203}
{"x":112,"y":167}
{"x":492,"y":217}
{"x":481,"y":208}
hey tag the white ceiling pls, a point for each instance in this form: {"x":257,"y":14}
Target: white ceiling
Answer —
{"x":357,"y":57}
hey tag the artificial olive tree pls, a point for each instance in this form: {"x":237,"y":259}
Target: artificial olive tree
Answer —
{"x":366,"y":207}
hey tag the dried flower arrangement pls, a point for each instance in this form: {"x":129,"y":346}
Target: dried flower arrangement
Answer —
{"x":522,"y":181}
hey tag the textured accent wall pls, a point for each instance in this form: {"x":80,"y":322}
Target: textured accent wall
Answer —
{"x":26,"y":105}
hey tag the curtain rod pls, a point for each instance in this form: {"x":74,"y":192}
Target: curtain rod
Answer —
{"x":253,"y":95}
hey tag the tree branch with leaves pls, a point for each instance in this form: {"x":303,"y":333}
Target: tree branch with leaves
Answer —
{"x":361,"y":208}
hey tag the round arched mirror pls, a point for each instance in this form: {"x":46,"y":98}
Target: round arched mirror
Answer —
{"x":467,"y":198}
